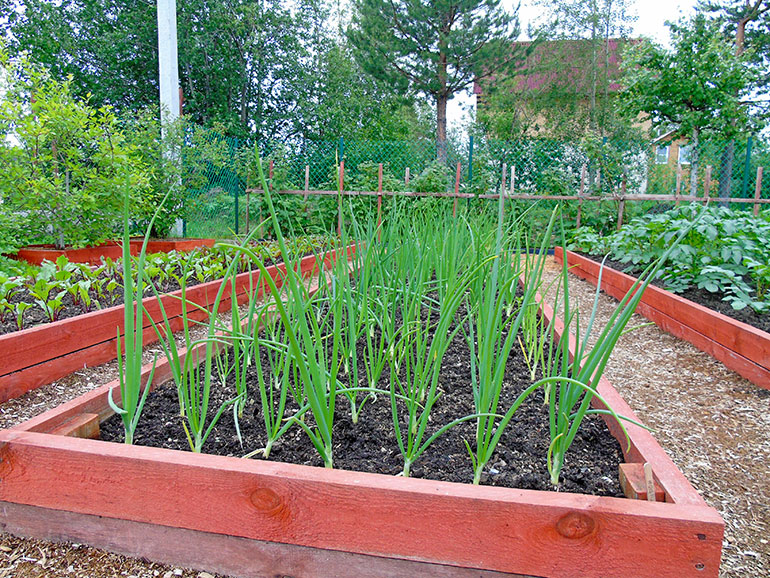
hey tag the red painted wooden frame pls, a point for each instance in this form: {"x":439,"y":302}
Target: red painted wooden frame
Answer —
{"x":741,"y":347}
{"x":42,"y":354}
{"x":255,"y":518}
{"x":36,"y":254}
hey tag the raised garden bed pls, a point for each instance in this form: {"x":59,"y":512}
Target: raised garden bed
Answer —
{"x":47,"y":352}
{"x":741,"y":347}
{"x":36,"y":254}
{"x":256,"y":518}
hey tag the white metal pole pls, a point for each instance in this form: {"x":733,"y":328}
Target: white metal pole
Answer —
{"x":168,"y":78}
{"x":168,"y":62}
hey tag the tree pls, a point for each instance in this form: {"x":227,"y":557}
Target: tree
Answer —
{"x":593,"y":27}
{"x":436,"y":48}
{"x":96,"y":42}
{"x":748,"y":23}
{"x":348,"y":103}
{"x":241,"y":63}
{"x":696,"y":87}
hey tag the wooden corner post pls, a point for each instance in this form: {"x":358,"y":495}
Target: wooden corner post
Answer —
{"x":758,"y":191}
{"x":457,"y":190}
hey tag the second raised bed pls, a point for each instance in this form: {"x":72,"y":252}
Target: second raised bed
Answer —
{"x":741,"y":347}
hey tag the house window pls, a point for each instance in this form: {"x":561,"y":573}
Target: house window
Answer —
{"x":661,"y":155}
{"x":685,"y":154}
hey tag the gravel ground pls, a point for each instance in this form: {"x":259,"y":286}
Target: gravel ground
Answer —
{"x":713,"y":423}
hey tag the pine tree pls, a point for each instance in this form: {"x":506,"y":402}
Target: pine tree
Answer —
{"x":437,"y":48}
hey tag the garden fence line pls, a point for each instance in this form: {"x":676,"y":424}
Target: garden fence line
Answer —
{"x":223,"y":193}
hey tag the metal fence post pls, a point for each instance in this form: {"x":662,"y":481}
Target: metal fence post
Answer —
{"x":236,"y":209}
{"x":746,"y":169}
{"x":342,"y":148}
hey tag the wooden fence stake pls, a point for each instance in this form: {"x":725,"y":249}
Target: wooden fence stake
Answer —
{"x":307,"y":180}
{"x":406,"y":176}
{"x":707,"y":191}
{"x":379,"y":202}
{"x":583,"y":173}
{"x":502,"y":186}
{"x":758,"y":191}
{"x":339,"y":197}
{"x":513,"y":178}
{"x":457,"y":190}
{"x":248,"y":209}
{"x":649,"y":482}
{"x":621,"y":204}
{"x":678,"y":183}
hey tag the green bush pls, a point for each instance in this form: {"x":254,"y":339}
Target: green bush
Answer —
{"x":66,"y":161}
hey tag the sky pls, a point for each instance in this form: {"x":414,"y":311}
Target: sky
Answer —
{"x":651,"y":17}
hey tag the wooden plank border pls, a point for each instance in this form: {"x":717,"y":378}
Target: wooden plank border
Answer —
{"x":524,"y":532}
{"x":741,"y":347}
{"x":42,"y":354}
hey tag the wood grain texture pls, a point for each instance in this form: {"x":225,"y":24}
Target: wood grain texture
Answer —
{"x":742,"y":348}
{"x":84,"y":425}
{"x":518,"y":531}
{"x":227,"y":555}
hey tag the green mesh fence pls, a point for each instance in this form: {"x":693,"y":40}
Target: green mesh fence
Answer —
{"x":218,"y":171}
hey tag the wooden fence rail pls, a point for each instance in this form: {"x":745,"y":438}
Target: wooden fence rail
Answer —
{"x":508,"y":192}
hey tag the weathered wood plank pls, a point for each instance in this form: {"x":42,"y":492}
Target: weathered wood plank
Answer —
{"x":553,"y":533}
{"x":633,"y":483}
{"x":226,"y":555}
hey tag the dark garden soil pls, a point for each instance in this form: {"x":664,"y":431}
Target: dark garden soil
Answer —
{"x":370,"y":445}
{"x":700,"y":296}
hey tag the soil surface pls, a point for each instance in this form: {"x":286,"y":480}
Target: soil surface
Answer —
{"x":591,"y":464}
{"x":703,"y":297}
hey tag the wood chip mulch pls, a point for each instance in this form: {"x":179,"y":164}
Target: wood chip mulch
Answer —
{"x":713,"y":424}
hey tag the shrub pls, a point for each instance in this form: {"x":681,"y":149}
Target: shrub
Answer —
{"x":68,"y":159}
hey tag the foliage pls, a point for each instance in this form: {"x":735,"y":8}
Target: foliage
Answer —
{"x":434,"y":179}
{"x":143,"y":133}
{"x":436,"y":48}
{"x":748,"y":23}
{"x":133,"y":393}
{"x":69,"y":164}
{"x":725,"y":253}
{"x":243,"y":66}
{"x":697,"y":86}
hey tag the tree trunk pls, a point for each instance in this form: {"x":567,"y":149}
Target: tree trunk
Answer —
{"x":594,"y":65}
{"x":728,"y":155}
{"x":441,"y":104}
